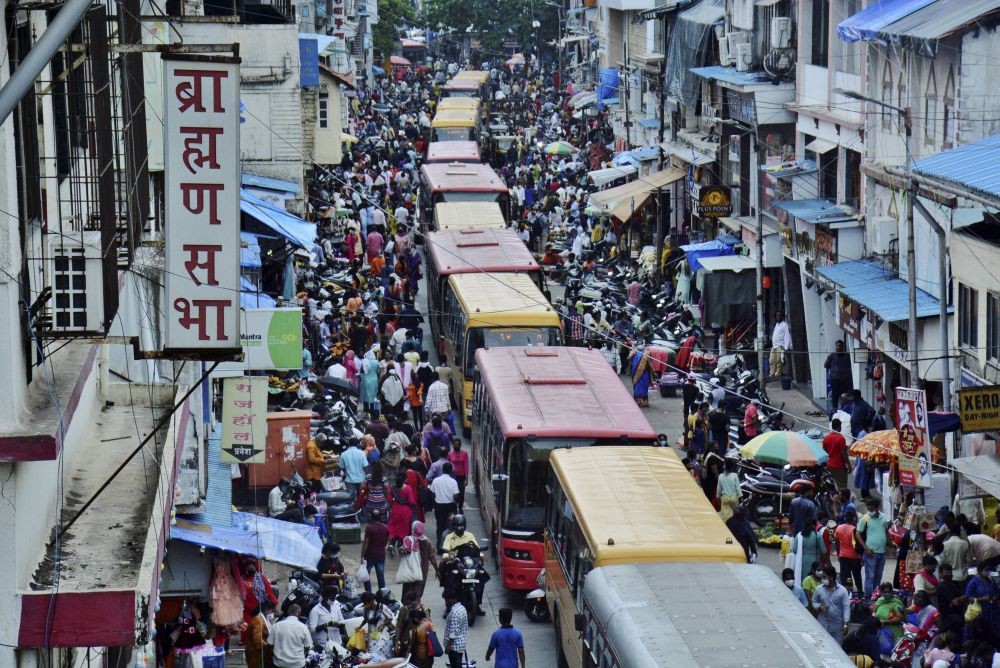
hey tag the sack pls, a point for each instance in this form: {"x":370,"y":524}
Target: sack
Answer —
{"x":362,"y":576}
{"x":973,"y":611}
{"x":886,"y":641}
{"x":434,"y":647}
{"x":409,"y":569}
{"x":357,"y":640}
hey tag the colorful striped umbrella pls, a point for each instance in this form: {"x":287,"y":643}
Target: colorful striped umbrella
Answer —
{"x":785,"y":447}
{"x":560,"y":148}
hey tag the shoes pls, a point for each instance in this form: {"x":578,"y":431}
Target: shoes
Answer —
{"x":480,"y":612}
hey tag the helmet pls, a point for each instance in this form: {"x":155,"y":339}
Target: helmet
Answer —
{"x":802,"y":486}
{"x":338,"y":408}
{"x":458,"y":523}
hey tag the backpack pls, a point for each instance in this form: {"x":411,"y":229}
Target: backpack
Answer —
{"x":436,"y":441}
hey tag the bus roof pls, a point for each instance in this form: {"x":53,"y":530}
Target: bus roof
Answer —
{"x":462,"y":177}
{"x":458,"y":103}
{"x":468,"y":215}
{"x":559,"y":392}
{"x":656,"y":615}
{"x":455,"y":118}
{"x":461,"y":84}
{"x":453,"y":151}
{"x":478,"y":249}
{"x":502,"y":300}
{"x":482,"y":76}
{"x":639,"y":504}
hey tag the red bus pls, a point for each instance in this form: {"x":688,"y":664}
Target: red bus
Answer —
{"x":459,"y":182}
{"x":453,"y":151}
{"x":472,"y":250}
{"x":527,"y":402}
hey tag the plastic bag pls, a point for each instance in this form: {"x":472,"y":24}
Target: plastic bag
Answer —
{"x":973,"y":611}
{"x":362,"y":576}
{"x":409,"y":569}
{"x":357,"y":640}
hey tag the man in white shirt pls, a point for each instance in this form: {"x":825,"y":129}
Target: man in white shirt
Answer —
{"x":337,"y":369}
{"x":279,"y":508}
{"x":445,"y":490}
{"x":325,"y":618}
{"x":781,"y":343}
{"x":291,"y":640}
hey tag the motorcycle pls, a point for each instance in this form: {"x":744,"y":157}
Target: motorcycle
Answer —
{"x":465,"y":572}
{"x":534,"y":602}
{"x":302,"y":591}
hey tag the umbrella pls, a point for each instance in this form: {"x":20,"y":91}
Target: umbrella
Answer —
{"x":515,"y":60}
{"x":785,"y":447}
{"x":400,"y":61}
{"x":878,"y":446}
{"x":560,"y":148}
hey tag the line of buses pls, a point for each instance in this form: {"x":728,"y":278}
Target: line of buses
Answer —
{"x":570,"y":476}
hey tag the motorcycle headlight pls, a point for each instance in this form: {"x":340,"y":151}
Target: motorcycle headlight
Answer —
{"x":468,"y":563}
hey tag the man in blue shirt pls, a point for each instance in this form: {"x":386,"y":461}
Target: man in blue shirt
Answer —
{"x":507,"y":642}
{"x":353,"y":462}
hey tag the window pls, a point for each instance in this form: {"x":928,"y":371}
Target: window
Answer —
{"x":852,"y":178}
{"x":993,"y":326}
{"x":948,"y":120}
{"x":930,"y":105}
{"x":323,"y":113}
{"x":968,"y":316}
{"x":886,"y":94}
{"x":820,"y":32}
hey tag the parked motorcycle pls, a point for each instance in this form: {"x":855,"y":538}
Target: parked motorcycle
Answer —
{"x":535,"y":607}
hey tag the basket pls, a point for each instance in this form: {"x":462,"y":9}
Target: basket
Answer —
{"x":345,"y":534}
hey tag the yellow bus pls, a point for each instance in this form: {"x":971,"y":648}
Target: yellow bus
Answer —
{"x":468,"y":215}
{"x":467,"y":103}
{"x":455,"y":125}
{"x":621,"y":505}
{"x":484,"y":310}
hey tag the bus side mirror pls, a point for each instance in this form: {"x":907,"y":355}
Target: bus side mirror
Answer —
{"x":499,"y":477}
{"x":580,"y":622}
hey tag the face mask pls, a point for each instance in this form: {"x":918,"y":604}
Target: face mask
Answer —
{"x":789,"y":583}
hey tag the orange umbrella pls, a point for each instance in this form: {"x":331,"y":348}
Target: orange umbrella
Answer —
{"x":878,"y":446}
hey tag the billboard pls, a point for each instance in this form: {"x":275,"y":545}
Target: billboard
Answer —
{"x":244,"y":420}
{"x":914,"y":440}
{"x":979,"y":408}
{"x":271,"y":340}
{"x":201,"y":119}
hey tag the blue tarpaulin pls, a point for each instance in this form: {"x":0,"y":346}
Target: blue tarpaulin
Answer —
{"x":694,"y":252}
{"x":300,"y":232}
{"x":251,"y":297}
{"x":866,"y":24}
{"x":296,"y":545}
{"x":249,"y":250}
{"x":608,"y":83}
{"x":878,"y":289}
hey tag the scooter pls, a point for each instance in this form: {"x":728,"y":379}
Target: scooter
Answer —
{"x":535,"y":607}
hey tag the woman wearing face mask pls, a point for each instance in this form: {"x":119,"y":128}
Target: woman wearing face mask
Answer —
{"x":889,"y":610}
{"x":258,"y":651}
{"x":325,"y":618}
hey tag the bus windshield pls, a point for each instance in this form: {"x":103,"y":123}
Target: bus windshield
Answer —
{"x":453,"y":134}
{"x":527,"y":470}
{"x":499,"y":337}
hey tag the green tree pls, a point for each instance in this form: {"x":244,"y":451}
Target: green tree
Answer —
{"x":391,"y":13}
{"x":496,"y":21}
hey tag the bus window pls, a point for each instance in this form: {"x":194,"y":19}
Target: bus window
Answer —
{"x":488,"y":337}
{"x":454,"y":134}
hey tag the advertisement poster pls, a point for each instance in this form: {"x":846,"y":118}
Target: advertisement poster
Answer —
{"x":914,"y":441}
{"x":244,"y":420}
{"x":271,"y":339}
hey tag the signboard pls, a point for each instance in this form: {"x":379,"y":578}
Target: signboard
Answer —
{"x":308,"y":62}
{"x":741,"y":107}
{"x":271,"y":340}
{"x":244,"y":420}
{"x":715,"y":201}
{"x":979,"y":408}
{"x":857,"y":321}
{"x":914,"y":441}
{"x":201,"y":122}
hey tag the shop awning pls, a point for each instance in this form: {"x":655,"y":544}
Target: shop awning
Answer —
{"x":983,"y":471}
{"x":602,"y":177}
{"x":249,"y":250}
{"x":267,"y":183}
{"x":820,"y":146}
{"x":623,"y":201}
{"x":922,"y":29}
{"x":298,"y":231}
{"x":697,"y":253}
{"x":686,"y":153}
{"x":572,"y":39}
{"x":975,"y":166}
{"x":866,"y":24}
{"x":879,"y":290}
{"x":735,"y":263}
{"x":818,"y":211}
{"x":296,"y":545}
{"x":584,"y":99}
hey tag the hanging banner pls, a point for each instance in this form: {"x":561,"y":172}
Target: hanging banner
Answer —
{"x":914,"y":441}
{"x":271,"y":340}
{"x":244,"y":420}
{"x":201,"y":130}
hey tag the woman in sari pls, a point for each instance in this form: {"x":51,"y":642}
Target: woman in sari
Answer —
{"x":641,"y":376}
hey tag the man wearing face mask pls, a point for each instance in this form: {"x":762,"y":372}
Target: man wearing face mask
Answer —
{"x":788,"y":577}
{"x":325,"y":618}
{"x":832,"y":604}
{"x":871,"y":537}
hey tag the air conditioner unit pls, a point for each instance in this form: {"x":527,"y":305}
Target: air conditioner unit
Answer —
{"x":781,"y":32}
{"x":883,"y":230}
{"x":736,"y":38}
{"x":725,"y":56}
{"x":77,"y":283}
{"x":744,"y":57}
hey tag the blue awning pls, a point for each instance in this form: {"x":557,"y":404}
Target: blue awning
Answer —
{"x":249,"y":250}
{"x":219,"y":490}
{"x":296,"y":545}
{"x":650,"y":123}
{"x":378,"y":71}
{"x":817,"y":211}
{"x":731,"y":75}
{"x":608,"y":82}
{"x":975,"y":166}
{"x":866,"y":24}
{"x":694,"y":252}
{"x":298,"y":231}
{"x":879,"y":290}
{"x":922,"y":29}
{"x":267,"y":183}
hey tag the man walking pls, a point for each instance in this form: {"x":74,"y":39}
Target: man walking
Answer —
{"x":832,"y":604}
{"x":291,"y":640}
{"x":507,"y":642}
{"x":456,"y":629}
{"x":689,"y":392}
{"x":838,"y":368}
{"x":438,"y":399}
{"x":872,"y":536}
{"x":781,"y":343}
{"x":835,"y":446}
{"x":445,"y":491}
{"x":460,"y":466}
{"x":353,"y":462}
{"x":373,"y":548}
{"x":802,"y":510}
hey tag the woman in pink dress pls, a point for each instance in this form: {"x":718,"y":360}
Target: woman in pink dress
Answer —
{"x":351,"y":364}
{"x":402,"y":502}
